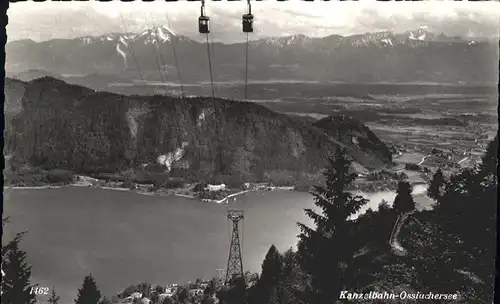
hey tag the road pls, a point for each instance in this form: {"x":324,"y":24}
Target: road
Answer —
{"x":423,"y":159}
{"x":393,"y":240}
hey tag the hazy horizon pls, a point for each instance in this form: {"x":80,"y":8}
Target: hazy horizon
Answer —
{"x":272,"y":18}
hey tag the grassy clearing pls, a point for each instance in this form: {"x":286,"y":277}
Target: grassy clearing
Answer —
{"x":412,"y":158}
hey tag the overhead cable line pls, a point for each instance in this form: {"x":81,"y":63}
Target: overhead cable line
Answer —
{"x":210,"y":69}
{"x":247,"y":27}
{"x":246,"y":68}
{"x":162,"y":61}
{"x":174,"y":42}
{"x":132,"y":50}
{"x":154,"y":53}
{"x":203,"y":28}
{"x":247,"y":23}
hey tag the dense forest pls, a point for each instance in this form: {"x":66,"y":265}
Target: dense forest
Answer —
{"x":447,"y":250}
{"x":63,"y":126}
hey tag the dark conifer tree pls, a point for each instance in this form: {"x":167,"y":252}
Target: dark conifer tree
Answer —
{"x":155,"y":295}
{"x":168,"y":300}
{"x":106,"y":301}
{"x":293,"y":282}
{"x":465,"y":214}
{"x":54,"y":298}
{"x":209,"y":292}
{"x":16,"y":286}
{"x":489,"y":164}
{"x":435,"y":190}
{"x":144,"y":289}
{"x":404,"y":200}
{"x":155,"y":298}
{"x":271,"y":277}
{"x":88,"y":294}
{"x":327,"y":251}
{"x":182,"y":295}
{"x":235,"y":292}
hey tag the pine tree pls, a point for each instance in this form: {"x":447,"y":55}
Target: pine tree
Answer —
{"x":88,"y":294}
{"x":144,"y":289}
{"x":327,"y":251}
{"x":404,"y":200}
{"x":272,"y":275}
{"x":384,"y":206}
{"x":293,"y":282}
{"x":155,"y":295}
{"x":106,"y":301}
{"x":469,"y":196}
{"x":489,"y":162}
{"x":209,"y":292}
{"x":168,"y":300}
{"x":235,"y":292}
{"x":54,"y":298}
{"x":16,"y":287}
{"x":155,"y":298}
{"x":436,"y":186}
{"x":182,"y":295}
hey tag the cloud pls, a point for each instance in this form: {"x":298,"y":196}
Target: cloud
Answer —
{"x":38,"y":21}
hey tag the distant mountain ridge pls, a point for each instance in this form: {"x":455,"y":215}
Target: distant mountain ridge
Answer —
{"x":416,"y":55}
{"x":68,"y":126}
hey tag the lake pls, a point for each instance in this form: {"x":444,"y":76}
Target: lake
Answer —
{"x":125,"y":238}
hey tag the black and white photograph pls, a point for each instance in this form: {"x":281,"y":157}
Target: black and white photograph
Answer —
{"x":250,"y":152}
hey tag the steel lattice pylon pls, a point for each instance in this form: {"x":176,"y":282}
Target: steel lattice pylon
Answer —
{"x":235,"y":262}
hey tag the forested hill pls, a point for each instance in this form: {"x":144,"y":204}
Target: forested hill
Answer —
{"x":73,"y":127}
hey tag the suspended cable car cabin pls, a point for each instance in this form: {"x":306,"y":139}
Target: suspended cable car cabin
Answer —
{"x":248,"y":23}
{"x":203,"y":25}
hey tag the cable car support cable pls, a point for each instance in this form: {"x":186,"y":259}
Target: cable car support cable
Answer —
{"x":155,"y":54}
{"x":132,"y":50}
{"x":246,"y":69}
{"x":247,"y":23}
{"x":174,"y":41}
{"x":210,"y":70}
{"x":203,"y":28}
{"x":162,"y":61}
{"x":247,"y":27}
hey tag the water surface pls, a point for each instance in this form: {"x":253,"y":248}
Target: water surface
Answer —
{"x":124,"y":238}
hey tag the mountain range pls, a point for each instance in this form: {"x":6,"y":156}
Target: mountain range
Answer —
{"x":53,"y":124}
{"x":158,"y":54}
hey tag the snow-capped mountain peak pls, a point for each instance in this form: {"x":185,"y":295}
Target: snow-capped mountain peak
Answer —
{"x":156,"y":34}
{"x":421,"y":34}
{"x":284,"y":41}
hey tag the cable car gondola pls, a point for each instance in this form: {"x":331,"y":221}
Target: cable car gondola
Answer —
{"x":203,"y":21}
{"x":248,"y":23}
{"x":203,"y":24}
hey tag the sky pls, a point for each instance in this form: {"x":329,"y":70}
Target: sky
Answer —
{"x":48,"y":20}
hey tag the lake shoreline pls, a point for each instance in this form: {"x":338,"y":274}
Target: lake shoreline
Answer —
{"x":142,"y":189}
{"x":189,"y":196}
{"x":361,"y":185}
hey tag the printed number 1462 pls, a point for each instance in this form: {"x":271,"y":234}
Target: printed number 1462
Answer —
{"x":39,"y":290}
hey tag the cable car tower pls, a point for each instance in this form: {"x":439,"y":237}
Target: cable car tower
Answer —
{"x":234,"y":262}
